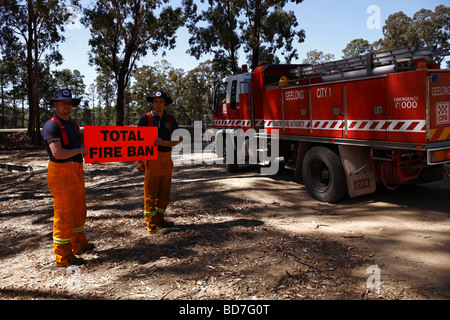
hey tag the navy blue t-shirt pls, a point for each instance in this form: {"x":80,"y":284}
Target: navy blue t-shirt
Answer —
{"x":163,"y":125}
{"x":52,"y":130}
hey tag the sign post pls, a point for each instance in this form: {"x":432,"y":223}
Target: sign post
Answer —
{"x":117,"y":143}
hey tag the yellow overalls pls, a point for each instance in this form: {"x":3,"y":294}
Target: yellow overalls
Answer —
{"x":157,"y":186}
{"x":66,"y":183}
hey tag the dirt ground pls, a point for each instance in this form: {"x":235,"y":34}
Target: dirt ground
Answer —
{"x":237,"y":236}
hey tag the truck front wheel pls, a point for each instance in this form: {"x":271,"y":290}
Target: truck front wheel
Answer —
{"x":323,"y":174}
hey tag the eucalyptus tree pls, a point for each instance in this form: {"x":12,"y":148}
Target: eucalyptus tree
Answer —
{"x":356,"y":47}
{"x":262,"y":29}
{"x":317,"y":57}
{"x":106,"y":87}
{"x":194,"y":102}
{"x":432,"y":28}
{"x":268,"y":28}
{"x":215,"y":31}
{"x":396,"y":32}
{"x":124,"y":31}
{"x":425,"y":28}
{"x":34,"y":28}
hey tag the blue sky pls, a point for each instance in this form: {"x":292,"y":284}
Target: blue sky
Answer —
{"x":329,"y":26}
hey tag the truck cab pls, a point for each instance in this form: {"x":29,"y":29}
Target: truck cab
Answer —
{"x":228,"y":108}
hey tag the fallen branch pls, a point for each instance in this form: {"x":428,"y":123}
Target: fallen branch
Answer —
{"x":297,"y":258}
{"x":11,"y":167}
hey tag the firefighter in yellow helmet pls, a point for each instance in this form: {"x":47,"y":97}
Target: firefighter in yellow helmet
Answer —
{"x":65,"y":179}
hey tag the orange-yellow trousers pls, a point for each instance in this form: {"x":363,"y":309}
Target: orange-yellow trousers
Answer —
{"x":157,"y":186}
{"x":66,"y":183}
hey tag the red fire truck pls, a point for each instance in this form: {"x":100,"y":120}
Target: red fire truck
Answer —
{"x":343,"y":124}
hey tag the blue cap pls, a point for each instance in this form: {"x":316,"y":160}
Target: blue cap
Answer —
{"x":65,"y":94}
{"x":160,"y":94}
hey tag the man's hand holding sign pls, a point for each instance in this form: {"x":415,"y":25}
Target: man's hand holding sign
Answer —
{"x":159,"y":142}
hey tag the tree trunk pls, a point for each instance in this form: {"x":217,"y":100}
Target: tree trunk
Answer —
{"x":33,"y":78}
{"x":35,"y":121}
{"x":122,"y":83}
{"x":120,"y":101}
{"x":3,"y":100}
{"x":256,"y":34}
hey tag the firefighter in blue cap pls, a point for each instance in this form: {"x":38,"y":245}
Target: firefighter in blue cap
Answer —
{"x":65,"y":179}
{"x":158,"y":173}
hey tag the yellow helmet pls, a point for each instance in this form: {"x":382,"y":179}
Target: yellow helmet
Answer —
{"x":284,"y":82}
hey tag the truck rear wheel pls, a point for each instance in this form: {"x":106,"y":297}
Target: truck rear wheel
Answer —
{"x":323,"y":174}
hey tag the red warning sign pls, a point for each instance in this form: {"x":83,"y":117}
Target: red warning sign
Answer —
{"x":117,"y":144}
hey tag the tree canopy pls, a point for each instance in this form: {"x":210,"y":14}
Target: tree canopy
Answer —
{"x":355,"y":48}
{"x":30,"y":32}
{"x":124,"y":31}
{"x":425,"y":28}
{"x":263,"y":29}
{"x":317,"y":57}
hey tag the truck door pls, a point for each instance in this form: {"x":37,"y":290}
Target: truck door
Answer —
{"x":407,"y":106}
{"x":220,"y":103}
{"x":296,"y":111}
{"x":327,"y":111}
{"x":366,"y":109}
